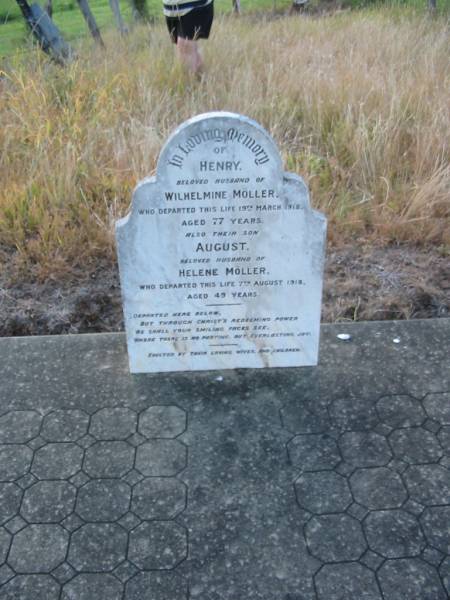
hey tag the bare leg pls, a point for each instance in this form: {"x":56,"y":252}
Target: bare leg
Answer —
{"x":189,"y":55}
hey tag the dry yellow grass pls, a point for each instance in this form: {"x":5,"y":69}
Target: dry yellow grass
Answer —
{"x":357,"y":102}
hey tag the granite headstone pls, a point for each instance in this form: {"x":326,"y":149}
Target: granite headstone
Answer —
{"x":221,"y":257}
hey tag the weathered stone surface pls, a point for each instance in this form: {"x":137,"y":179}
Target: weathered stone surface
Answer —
{"x":437,"y":407}
{"x":313,"y":418}
{"x":15,"y":460}
{"x":401,"y":411}
{"x":113,"y":424}
{"x":444,"y":571}
{"x":93,"y":586}
{"x":436,"y":525}
{"x":428,"y":484}
{"x":354,"y":414}
{"x":57,"y":461}
{"x":236,"y":526}
{"x":159,"y":498}
{"x":31,"y":587}
{"x":346,"y":581}
{"x":158,"y":545}
{"x":15,"y":524}
{"x":162,"y":422}
{"x":19,"y":426}
{"x":125,"y":571}
{"x":48,"y":501}
{"x":10,"y":498}
{"x":108,"y":459}
{"x":5,"y":542}
{"x":161,"y":458}
{"x":63,"y":573}
{"x":415,"y":445}
{"x":323,"y":492}
{"x":231,"y":237}
{"x":378,"y":488}
{"x":364,"y":449}
{"x":38,"y":549}
{"x":313,"y":452}
{"x":97,"y":547}
{"x":394,"y":533}
{"x":410,"y":579}
{"x":65,"y":425}
{"x":159,"y":586}
{"x":334,"y":538}
{"x":103,"y":500}
{"x":444,"y":438}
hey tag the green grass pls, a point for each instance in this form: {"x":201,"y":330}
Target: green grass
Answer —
{"x":67,"y":16}
{"x":14,"y":36}
{"x":357,"y":102}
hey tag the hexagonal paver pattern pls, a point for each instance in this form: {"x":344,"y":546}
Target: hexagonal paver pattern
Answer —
{"x":5,"y":542}
{"x":158,"y":586}
{"x":57,"y":461}
{"x":361,"y":449}
{"x":31,"y":587}
{"x":158,"y":545}
{"x":346,"y":581}
{"x":103,"y":500}
{"x":436,"y":525}
{"x":410,"y":579}
{"x":162,"y":422}
{"x":161,"y":458}
{"x":15,"y":460}
{"x":109,"y":459}
{"x":323,"y":492}
{"x":438,"y":407}
{"x":354,"y":414}
{"x":98,"y":547}
{"x":334,"y":538}
{"x":65,"y":425}
{"x":38,"y":549}
{"x":19,"y":426}
{"x":48,"y":501}
{"x":415,"y":445}
{"x":400,"y":411}
{"x":378,"y":488}
{"x":93,"y":586}
{"x":159,"y":498}
{"x":314,"y":451}
{"x":428,"y":484}
{"x":113,"y":424}
{"x":10,"y":498}
{"x":394,"y":533}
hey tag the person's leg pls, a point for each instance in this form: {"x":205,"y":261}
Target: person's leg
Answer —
{"x":189,"y":55}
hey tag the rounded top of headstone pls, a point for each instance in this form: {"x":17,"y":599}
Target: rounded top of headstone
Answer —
{"x":220,"y":135}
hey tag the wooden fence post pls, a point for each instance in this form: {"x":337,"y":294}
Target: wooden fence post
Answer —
{"x":118,"y":17}
{"x":91,"y":22}
{"x":46,"y":32}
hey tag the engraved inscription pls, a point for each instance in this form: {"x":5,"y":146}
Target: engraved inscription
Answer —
{"x":221,"y":257}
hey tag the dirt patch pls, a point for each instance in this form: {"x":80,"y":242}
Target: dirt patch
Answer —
{"x":362,"y":283}
{"x":377,"y":283}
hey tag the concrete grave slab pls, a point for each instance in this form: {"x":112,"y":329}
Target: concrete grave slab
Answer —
{"x":255,"y":484}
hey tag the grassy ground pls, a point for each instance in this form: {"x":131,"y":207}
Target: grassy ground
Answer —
{"x":68,"y":18}
{"x":15,"y":37}
{"x":358,"y":104}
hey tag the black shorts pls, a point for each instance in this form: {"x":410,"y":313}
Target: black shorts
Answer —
{"x":196,"y":24}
